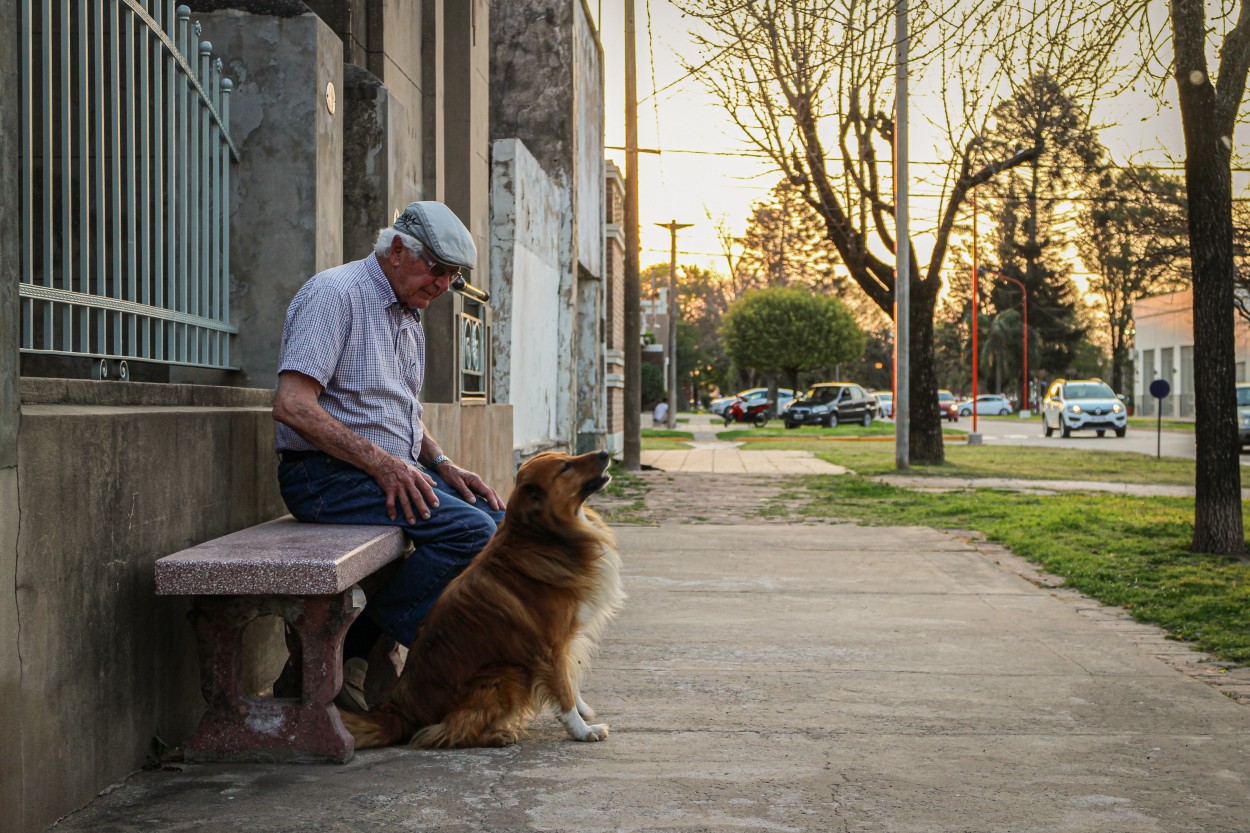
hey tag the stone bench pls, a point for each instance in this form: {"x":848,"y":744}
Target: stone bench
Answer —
{"x":307,"y":575}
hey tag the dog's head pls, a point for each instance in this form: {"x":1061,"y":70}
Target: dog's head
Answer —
{"x":553,"y":486}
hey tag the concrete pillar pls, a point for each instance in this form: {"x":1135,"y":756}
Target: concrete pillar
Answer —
{"x":12,"y":778}
{"x":396,"y":33}
{"x":591,"y":419}
{"x":349,"y":19}
{"x":366,"y":160}
{"x":432,"y":98}
{"x":287,"y":188}
{"x":466,"y":155}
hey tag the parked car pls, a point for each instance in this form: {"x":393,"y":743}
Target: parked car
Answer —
{"x":1243,"y":414}
{"x":830,"y":404}
{"x":948,"y":406}
{"x":987,"y":404}
{"x":784,"y":397}
{"x":885,"y":403}
{"x":1083,"y":405}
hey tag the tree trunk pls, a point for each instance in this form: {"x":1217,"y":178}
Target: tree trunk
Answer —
{"x":1217,"y":505}
{"x":925,"y":434}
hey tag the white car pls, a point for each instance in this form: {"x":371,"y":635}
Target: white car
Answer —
{"x":885,"y":403}
{"x":1083,"y":405}
{"x":988,"y":404}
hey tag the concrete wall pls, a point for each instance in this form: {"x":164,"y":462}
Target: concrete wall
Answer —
{"x":12,"y":781}
{"x":525,"y":283}
{"x":547,"y":92}
{"x":287,"y":188}
{"x":112,"y":477}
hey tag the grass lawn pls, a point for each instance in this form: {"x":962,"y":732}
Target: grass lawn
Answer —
{"x":776,"y":431}
{"x":1026,"y":462}
{"x":664,"y":433}
{"x":1125,"y":551}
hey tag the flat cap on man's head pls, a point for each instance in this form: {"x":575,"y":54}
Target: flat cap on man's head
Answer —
{"x":440,"y":231}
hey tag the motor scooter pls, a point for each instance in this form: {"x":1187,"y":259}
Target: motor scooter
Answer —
{"x":755,"y":412}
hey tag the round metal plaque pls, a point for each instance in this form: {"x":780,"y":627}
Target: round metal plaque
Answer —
{"x":330,"y":97}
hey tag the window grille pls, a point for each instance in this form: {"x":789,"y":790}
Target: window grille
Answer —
{"x":126,"y":156}
{"x":474,"y":331}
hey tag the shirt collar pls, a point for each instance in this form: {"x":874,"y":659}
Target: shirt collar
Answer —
{"x":381,"y":286}
{"x":383,"y":290}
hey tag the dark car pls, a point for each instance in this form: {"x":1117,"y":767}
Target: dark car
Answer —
{"x":1243,"y":414}
{"x":832,"y":403}
{"x":948,"y":406}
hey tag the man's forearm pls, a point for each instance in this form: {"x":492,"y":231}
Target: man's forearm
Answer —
{"x":314,"y":424}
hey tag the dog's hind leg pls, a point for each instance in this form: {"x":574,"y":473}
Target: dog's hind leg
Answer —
{"x":493,"y":711}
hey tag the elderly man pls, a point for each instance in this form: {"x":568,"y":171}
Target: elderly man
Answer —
{"x":351,"y":442}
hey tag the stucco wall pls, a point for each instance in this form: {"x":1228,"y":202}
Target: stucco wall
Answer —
{"x":525,"y":282}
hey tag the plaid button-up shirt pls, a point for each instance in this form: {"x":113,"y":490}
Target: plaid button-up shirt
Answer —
{"x":346,"y":329}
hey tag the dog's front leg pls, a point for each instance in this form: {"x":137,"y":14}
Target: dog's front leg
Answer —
{"x":570,"y":705}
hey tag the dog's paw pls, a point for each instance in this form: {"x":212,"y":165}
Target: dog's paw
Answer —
{"x":595,"y":733}
{"x":585,"y":711}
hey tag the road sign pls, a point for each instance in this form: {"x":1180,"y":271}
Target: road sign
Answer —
{"x":1159,"y":388}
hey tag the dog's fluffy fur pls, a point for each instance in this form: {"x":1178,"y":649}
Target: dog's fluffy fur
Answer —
{"x":514,"y":633}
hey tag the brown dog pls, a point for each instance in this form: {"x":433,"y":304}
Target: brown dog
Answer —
{"x":515,"y":631}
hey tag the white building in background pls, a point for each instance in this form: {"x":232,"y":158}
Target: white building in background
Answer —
{"x":1165,"y":350}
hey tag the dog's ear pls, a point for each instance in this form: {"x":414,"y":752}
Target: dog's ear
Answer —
{"x":531,"y":504}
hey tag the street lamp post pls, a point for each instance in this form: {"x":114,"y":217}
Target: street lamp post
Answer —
{"x":1024,"y":295}
{"x":672,"y":227}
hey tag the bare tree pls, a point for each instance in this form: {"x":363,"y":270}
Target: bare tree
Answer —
{"x":1210,"y":104}
{"x":810,"y":83}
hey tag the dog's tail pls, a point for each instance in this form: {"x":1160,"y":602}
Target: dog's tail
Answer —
{"x":382,"y":725}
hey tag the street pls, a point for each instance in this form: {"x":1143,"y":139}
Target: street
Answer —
{"x":1029,"y":432}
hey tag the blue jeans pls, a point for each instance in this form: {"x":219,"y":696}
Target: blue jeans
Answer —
{"x":322,"y":489}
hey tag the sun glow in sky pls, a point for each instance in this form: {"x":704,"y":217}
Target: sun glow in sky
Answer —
{"x":721,"y":181}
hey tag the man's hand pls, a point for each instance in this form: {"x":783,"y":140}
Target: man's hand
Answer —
{"x":468,"y":484}
{"x":407,"y":489}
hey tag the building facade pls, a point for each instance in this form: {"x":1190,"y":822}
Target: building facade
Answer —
{"x":166,"y":219}
{"x":1164,"y":349}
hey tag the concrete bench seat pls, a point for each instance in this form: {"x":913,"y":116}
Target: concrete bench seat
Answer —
{"x":307,"y":574}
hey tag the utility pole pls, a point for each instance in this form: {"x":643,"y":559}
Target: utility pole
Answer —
{"x":902,"y":266}
{"x":672,"y":227}
{"x":633,"y":281}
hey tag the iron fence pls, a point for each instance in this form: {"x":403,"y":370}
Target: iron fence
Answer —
{"x":126,"y":155}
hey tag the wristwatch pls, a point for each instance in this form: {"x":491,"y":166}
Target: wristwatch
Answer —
{"x":442,"y":458}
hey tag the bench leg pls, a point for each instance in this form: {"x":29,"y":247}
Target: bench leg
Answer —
{"x":240,"y":728}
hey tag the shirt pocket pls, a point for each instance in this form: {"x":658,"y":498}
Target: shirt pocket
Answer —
{"x":408,"y":360}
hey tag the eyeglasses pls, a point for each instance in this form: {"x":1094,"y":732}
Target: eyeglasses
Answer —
{"x":439,"y":269}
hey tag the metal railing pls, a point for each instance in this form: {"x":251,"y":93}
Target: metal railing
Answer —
{"x":126,"y":156}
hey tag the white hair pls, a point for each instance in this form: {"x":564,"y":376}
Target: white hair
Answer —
{"x":386,"y":235}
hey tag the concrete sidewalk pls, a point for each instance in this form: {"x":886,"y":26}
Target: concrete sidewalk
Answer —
{"x":792,"y":678}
